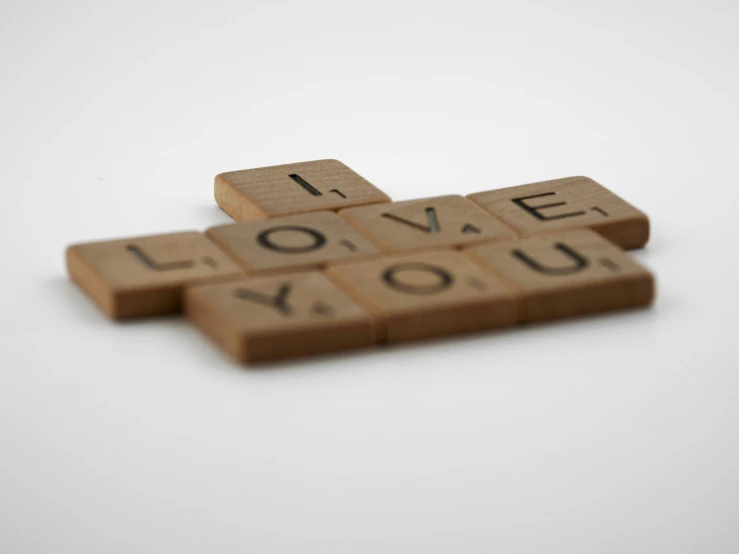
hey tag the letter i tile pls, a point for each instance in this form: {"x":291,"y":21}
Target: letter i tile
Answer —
{"x":290,"y":189}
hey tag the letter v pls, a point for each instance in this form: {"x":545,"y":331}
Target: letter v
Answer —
{"x":278,"y":301}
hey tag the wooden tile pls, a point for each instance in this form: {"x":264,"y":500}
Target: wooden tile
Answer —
{"x":567,"y":274}
{"x":293,"y":188}
{"x":563,"y":204}
{"x":269,"y":318}
{"x":430,"y":222}
{"x":145,"y":276}
{"x":293,"y":242}
{"x":424,"y":295}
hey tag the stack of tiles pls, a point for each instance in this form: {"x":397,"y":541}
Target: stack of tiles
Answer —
{"x":322,"y":261}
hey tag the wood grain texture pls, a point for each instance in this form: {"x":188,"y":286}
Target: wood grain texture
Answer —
{"x":442,"y":221}
{"x":425,"y":295}
{"x":303,"y":241}
{"x":304,"y":187}
{"x":145,"y":276}
{"x":260,"y":319}
{"x":563,"y":204}
{"x":567,"y":274}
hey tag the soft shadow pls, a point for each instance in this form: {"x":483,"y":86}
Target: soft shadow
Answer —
{"x":198,"y":346}
{"x":79,"y":304}
{"x":84,"y":309}
{"x":426,"y":348}
{"x":657,"y":246}
{"x":210,"y":216}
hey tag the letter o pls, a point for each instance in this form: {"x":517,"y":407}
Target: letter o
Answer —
{"x":390,"y":277}
{"x":265,"y":240}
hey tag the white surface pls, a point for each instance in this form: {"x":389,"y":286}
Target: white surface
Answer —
{"x":611,"y":434}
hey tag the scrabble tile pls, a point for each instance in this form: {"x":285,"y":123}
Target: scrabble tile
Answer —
{"x":430,"y":222}
{"x":292,"y":242}
{"x":564,"y":204}
{"x":274,"y":317}
{"x":567,"y":274}
{"x":145,"y":276}
{"x":293,"y":188}
{"x":425,"y":295}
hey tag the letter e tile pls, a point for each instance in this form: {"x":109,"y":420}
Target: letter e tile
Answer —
{"x":566,"y":204}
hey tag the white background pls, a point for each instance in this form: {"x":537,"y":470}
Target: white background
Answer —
{"x":609,"y":434}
